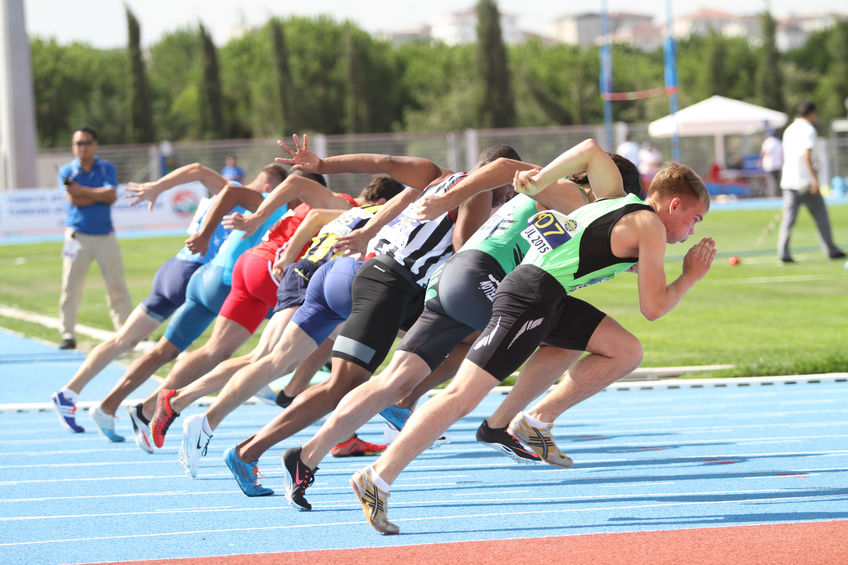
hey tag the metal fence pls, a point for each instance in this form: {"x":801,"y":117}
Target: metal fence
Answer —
{"x":452,"y":150}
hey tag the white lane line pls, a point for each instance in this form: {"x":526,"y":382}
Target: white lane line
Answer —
{"x":464,"y":517}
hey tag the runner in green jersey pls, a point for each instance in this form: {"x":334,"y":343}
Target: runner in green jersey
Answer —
{"x":532,"y":307}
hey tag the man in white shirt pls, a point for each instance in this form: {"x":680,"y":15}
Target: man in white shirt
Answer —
{"x":629,"y":149}
{"x":771,"y":161}
{"x":800,"y":183}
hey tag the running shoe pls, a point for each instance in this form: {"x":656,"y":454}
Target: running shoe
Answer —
{"x":501,"y":440}
{"x":141,"y":428}
{"x":283,"y":400}
{"x":443,"y":439}
{"x":105,"y":424}
{"x":266,"y":396}
{"x":163,"y":417}
{"x":194,"y":445}
{"x":67,"y":411}
{"x":246,"y":474}
{"x":355,"y":447}
{"x":390,"y":432}
{"x":539,"y":440}
{"x":396,"y":416}
{"x":296,"y":479}
{"x":373,"y":501}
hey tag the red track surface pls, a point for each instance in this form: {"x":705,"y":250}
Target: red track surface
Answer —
{"x":821,"y":543}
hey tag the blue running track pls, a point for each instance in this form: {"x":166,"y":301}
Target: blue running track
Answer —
{"x":648,"y":457}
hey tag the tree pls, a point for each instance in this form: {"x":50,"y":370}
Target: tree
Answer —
{"x":141,"y":114}
{"x":769,"y":76}
{"x":175,"y":76}
{"x":211,"y":99}
{"x":496,"y":107}
{"x":282,"y":72}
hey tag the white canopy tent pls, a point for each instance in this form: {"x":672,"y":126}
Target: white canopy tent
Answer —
{"x":718,"y":116}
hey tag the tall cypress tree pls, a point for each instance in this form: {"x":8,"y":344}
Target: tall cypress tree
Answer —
{"x":355,"y":118}
{"x":211,"y":96}
{"x":769,"y":78}
{"x":282,"y":74}
{"x":496,"y":107}
{"x":141,"y":114}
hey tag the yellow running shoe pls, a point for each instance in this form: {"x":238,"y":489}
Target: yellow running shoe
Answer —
{"x":539,"y":440}
{"x":373,"y":501}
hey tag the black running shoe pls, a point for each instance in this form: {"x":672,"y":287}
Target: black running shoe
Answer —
{"x":297,"y":478}
{"x":501,"y":440}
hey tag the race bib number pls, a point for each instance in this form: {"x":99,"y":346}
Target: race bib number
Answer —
{"x":347,"y":222}
{"x":397,"y":234}
{"x":548,"y":230}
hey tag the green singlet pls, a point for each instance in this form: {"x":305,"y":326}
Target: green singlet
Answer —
{"x":575,"y":248}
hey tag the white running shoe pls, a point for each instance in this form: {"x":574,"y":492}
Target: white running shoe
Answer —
{"x":266,"y":396}
{"x":105,"y":424}
{"x":194,"y":444}
{"x":141,"y":428}
{"x":390,"y":432}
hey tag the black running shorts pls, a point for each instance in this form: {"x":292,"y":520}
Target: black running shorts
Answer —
{"x":531,"y":308}
{"x":385,"y":299}
{"x":458,"y":302}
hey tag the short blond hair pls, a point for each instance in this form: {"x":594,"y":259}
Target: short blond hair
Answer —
{"x":679,"y":180}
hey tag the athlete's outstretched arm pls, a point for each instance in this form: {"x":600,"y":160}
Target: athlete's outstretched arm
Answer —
{"x":411,"y":171}
{"x":150,"y":191}
{"x":587,"y":156}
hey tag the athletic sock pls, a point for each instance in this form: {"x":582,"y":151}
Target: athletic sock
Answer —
{"x":378,"y":480}
{"x":70,"y":395}
{"x":283,"y":400}
{"x":536,"y":423}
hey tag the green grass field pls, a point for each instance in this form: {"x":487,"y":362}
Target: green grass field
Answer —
{"x":763,"y":318}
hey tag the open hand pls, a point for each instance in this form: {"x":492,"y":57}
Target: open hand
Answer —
{"x":302,"y":158}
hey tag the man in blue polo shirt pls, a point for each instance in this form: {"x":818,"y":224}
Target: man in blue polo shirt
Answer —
{"x":90,"y":186}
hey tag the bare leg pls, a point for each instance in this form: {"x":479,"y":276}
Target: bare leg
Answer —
{"x":307,"y":369}
{"x":294,"y":347}
{"x":306,"y":409}
{"x":359,"y":405}
{"x":227,"y":336}
{"x":137,"y":327}
{"x":614,"y":353}
{"x":431,"y":420}
{"x":443,"y":372}
{"x":139,"y":371}
{"x":544,"y":367}
{"x":217,"y":378}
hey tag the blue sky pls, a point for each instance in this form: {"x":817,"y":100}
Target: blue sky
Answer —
{"x":102,"y":23}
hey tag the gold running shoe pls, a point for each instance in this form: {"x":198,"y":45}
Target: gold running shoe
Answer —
{"x":373,"y":501}
{"x":539,"y":440}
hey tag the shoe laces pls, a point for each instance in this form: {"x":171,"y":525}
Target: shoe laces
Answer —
{"x":256,"y":473}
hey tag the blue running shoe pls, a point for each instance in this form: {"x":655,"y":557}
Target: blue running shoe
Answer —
{"x":246,"y":474}
{"x":105,"y":424}
{"x":396,"y":416}
{"x":67,"y":412}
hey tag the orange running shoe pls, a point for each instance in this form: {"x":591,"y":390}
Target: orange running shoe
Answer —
{"x":355,"y":447}
{"x":163,"y":417}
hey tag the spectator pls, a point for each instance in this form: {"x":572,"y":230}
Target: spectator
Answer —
{"x":649,"y":160}
{"x":629,"y":149}
{"x":800,"y":183}
{"x":231,"y":171}
{"x":771,"y":161}
{"x":90,"y":185}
